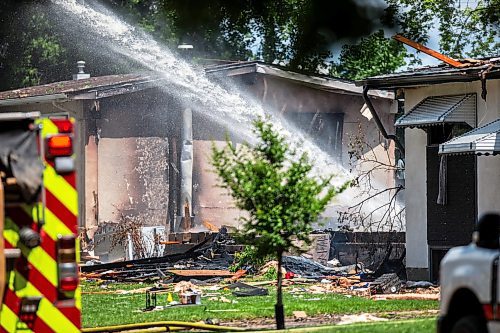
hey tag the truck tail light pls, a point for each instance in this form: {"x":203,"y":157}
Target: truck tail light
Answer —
{"x":68,"y":277}
{"x":67,"y":267}
{"x":59,"y":145}
{"x":63,"y":125}
{"x":29,"y":308}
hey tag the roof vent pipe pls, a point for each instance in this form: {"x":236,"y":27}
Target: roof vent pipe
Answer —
{"x":81,"y":72}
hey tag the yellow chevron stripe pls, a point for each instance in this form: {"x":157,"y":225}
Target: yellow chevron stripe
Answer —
{"x":60,"y":188}
{"x":11,"y":232}
{"x":54,"y":318}
{"x":43,"y":263}
{"x":46,"y":310}
{"x":78,"y":298}
{"x":9,"y":321}
{"x":54,"y":227}
{"x":36,"y":256}
{"x":48,"y":127}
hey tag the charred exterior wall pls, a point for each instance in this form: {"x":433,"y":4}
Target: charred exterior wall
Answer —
{"x":331,"y":118}
{"x":129,"y":158}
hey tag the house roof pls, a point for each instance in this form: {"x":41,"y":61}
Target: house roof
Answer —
{"x":472,"y":70}
{"x":321,"y":82}
{"x":441,"y":109}
{"x":105,"y":86}
{"x":91,"y":88}
{"x":484,"y":140}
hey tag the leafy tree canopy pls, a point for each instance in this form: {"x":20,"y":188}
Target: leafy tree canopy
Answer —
{"x":466,"y":28}
{"x":373,"y":55}
{"x":35,"y":47}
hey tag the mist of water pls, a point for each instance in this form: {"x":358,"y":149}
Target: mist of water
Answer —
{"x":193,"y":88}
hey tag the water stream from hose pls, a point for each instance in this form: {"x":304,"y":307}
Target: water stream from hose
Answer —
{"x":196,"y":91}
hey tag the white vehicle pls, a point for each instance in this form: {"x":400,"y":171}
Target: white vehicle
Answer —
{"x":470,"y":287}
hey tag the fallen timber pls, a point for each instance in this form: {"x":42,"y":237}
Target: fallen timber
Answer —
{"x":194,"y":252}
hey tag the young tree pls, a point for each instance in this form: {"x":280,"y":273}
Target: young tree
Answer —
{"x":281,"y":197}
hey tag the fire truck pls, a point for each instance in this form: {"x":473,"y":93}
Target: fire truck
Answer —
{"x":39,"y":289}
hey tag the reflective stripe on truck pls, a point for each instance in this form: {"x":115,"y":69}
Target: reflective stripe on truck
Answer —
{"x":42,"y":293}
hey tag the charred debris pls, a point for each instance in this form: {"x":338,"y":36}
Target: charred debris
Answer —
{"x":333,"y":264}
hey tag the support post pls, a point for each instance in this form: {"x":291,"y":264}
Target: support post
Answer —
{"x":279,"y":309}
{"x":187,"y":168}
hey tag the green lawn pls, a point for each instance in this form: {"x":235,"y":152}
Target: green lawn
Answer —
{"x":114,"y":309}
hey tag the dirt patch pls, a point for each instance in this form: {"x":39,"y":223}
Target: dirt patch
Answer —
{"x":327,"y":319}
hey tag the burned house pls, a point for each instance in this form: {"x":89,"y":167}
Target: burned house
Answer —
{"x":143,"y":157}
{"x":332,"y":112}
{"x":452,"y":126}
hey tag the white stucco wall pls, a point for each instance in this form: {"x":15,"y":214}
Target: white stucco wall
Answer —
{"x":415,"y":190}
{"x":488,"y":167}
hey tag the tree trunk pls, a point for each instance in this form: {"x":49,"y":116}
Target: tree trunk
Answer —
{"x":279,"y":310}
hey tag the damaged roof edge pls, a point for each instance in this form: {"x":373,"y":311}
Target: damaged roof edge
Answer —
{"x":34,"y":99}
{"x":92,"y":88}
{"x":430,"y":76}
{"x":324,"y":82}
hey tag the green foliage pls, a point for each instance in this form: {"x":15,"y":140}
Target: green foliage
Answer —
{"x":35,"y":46}
{"x":466,"y":29}
{"x":36,"y":54}
{"x":271,"y":273}
{"x":297,"y":34}
{"x":373,"y":55}
{"x":281,"y":198}
{"x":248,"y":257}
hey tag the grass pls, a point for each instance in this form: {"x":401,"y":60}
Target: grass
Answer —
{"x":114,"y":308}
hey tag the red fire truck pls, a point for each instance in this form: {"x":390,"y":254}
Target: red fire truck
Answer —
{"x":39,"y":289}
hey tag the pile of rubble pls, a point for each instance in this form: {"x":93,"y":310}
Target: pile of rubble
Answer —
{"x":301,"y":276}
{"x":208,"y":262}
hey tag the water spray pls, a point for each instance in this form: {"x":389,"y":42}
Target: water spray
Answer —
{"x":195,"y":91}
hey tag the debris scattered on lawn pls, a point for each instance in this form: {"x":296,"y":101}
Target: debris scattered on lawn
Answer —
{"x":386,"y":284}
{"x":201,"y":273}
{"x":185,"y":286}
{"x":407,"y":296}
{"x":419,"y":284}
{"x":190,"y":297}
{"x":299,"y":315}
{"x":359,"y":318}
{"x":204,"y":267}
{"x":244,"y":290}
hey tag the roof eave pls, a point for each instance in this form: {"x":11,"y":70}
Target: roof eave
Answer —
{"x":34,"y":99}
{"x":316,"y":82}
{"x":415,"y":80}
